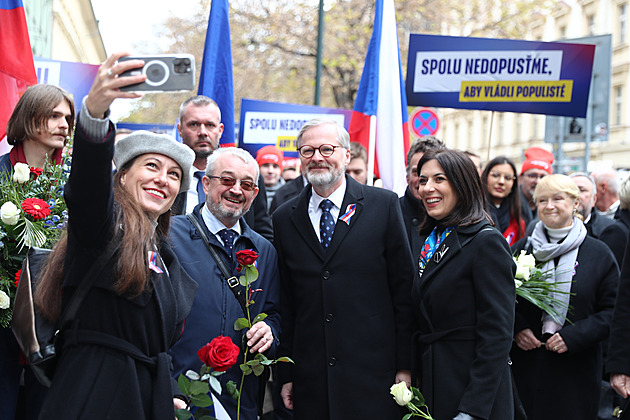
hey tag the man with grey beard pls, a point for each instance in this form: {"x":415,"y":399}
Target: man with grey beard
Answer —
{"x":230,"y":187}
{"x":346,"y":272}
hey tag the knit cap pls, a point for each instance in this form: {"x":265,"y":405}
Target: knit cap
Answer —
{"x":537,"y":158}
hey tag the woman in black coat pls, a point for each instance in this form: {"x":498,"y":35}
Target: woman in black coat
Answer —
{"x":557,"y":363}
{"x":113,"y":355}
{"x":464,"y":292}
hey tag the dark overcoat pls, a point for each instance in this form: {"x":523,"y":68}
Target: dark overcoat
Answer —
{"x":566,"y":386}
{"x":619,"y":351}
{"x":465,"y":299}
{"x":95,"y":379}
{"x":215,"y":308}
{"x":346,"y":314}
{"x":413,"y":211}
{"x":615,"y":235}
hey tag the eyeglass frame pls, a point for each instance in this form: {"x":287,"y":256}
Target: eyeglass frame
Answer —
{"x":499,"y":175}
{"x":230,"y":181}
{"x":319,"y":149}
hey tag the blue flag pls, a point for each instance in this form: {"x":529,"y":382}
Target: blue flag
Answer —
{"x":215,"y":80}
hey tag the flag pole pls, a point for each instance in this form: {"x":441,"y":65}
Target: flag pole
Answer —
{"x":372,"y":150}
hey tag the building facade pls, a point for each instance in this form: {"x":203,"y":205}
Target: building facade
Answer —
{"x":65,"y":30}
{"x":492,"y":134}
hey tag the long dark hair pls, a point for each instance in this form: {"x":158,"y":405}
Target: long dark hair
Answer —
{"x":136,"y":236}
{"x":514,"y":197}
{"x":464,"y":178}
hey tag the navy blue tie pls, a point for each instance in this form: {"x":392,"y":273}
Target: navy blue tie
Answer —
{"x":326,"y":224}
{"x":201,"y":196}
{"x":227,"y":236}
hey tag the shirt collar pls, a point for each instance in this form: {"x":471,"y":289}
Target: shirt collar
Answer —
{"x":214,"y":225}
{"x":336,"y":197}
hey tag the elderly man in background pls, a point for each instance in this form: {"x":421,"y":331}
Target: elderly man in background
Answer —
{"x":608,"y":192}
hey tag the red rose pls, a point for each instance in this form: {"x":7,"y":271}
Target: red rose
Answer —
{"x":36,"y":171}
{"x":17,"y":277}
{"x":220,"y":354}
{"x":246,"y":257}
{"x":38,"y":209}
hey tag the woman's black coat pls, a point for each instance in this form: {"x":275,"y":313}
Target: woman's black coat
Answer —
{"x":466,"y":313}
{"x":566,"y":386}
{"x":97,"y":380}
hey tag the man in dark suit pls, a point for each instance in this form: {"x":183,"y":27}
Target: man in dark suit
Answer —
{"x":616,"y":235}
{"x":200,"y":128}
{"x":346,"y":273}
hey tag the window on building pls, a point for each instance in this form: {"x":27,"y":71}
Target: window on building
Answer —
{"x":618,"y":104}
{"x":517,"y":128}
{"x":590,"y":19}
{"x":623,"y":16}
{"x":500,"y":129}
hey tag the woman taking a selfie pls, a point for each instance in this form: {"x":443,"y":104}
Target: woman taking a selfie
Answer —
{"x":114,"y":361}
{"x":557,"y":363}
{"x":464,"y":291}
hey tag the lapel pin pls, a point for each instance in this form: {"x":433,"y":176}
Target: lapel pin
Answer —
{"x":439,"y":254}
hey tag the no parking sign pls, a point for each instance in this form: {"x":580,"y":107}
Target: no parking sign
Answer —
{"x":424,"y":122}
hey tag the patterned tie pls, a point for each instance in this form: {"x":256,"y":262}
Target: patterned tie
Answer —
{"x":227,"y":236}
{"x":326,"y":223}
{"x":201,"y":196}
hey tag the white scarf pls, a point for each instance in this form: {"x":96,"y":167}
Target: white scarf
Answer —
{"x":567,"y":250}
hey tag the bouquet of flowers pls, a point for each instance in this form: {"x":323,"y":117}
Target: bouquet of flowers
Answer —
{"x":412,"y":399}
{"x":33,"y":213}
{"x":532,"y":285}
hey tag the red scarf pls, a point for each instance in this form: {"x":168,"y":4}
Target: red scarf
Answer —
{"x":17,"y":155}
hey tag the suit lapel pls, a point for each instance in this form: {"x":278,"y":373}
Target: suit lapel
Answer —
{"x":302,"y":222}
{"x":354,"y":195}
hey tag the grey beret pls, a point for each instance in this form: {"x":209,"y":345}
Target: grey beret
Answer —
{"x":141,"y":142}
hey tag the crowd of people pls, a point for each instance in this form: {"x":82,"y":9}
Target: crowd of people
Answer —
{"x":362,"y":289}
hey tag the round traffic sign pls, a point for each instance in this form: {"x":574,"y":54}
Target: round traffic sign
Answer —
{"x":424,"y":122}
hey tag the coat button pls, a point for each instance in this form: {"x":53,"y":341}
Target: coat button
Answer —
{"x":326,"y":274}
{"x":332,"y":361}
{"x":415,"y":221}
{"x":330,"y":317}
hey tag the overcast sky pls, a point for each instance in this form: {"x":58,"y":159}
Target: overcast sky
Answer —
{"x":126,"y":23}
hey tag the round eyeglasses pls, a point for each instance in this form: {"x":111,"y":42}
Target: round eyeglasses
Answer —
{"x":326,"y":150}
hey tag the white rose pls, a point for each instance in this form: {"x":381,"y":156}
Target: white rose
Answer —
{"x":527,"y":260}
{"x":21,"y":173}
{"x":402,"y":394}
{"x":9,"y":213}
{"x":4,"y":300}
{"x":518,"y":283}
{"x":524,"y":264}
{"x":522,"y":272}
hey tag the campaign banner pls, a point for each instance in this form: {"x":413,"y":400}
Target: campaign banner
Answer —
{"x":263,"y":123}
{"x":551,"y":78}
{"x":76,"y":78}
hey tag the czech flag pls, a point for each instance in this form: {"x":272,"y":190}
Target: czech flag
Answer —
{"x":379,"y":119}
{"x":17,"y":70}
{"x":215,"y":80}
